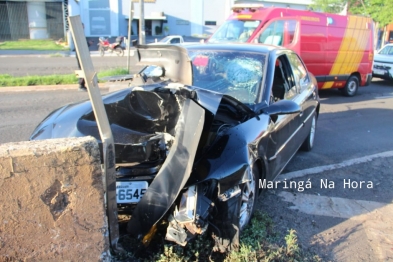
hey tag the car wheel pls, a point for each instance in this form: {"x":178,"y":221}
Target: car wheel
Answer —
{"x":248,"y":198}
{"x":119,"y":51}
{"x":351,"y":87}
{"x":309,"y":142}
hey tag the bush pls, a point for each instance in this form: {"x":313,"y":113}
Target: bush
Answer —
{"x":258,"y":242}
{"x":158,"y":30}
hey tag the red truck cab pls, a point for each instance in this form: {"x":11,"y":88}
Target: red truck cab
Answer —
{"x":337,"y":49}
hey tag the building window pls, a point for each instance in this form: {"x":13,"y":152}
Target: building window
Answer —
{"x":182,"y":22}
{"x":99,"y":22}
{"x":210,"y":23}
{"x":99,"y":4}
{"x":99,"y":15}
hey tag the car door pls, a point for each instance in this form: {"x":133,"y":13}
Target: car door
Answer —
{"x":282,"y":128}
{"x":306,"y":97}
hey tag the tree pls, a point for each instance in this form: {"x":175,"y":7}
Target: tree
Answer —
{"x":166,"y":30}
{"x":328,"y":6}
{"x":379,"y":10}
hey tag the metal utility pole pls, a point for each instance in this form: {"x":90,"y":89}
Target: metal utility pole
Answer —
{"x":141,"y":22}
{"x":129,"y":35}
{"x":108,"y":145}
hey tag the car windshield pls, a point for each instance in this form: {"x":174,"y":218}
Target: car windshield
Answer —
{"x":237,"y":74}
{"x":387,"y":50}
{"x":234,"y":31}
{"x":165,"y":39}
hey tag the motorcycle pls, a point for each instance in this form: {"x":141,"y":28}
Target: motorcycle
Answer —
{"x":116,"y":47}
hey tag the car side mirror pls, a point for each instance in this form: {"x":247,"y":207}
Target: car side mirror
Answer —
{"x":282,"y":107}
{"x":154,"y":71}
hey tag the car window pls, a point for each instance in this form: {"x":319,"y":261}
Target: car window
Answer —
{"x":280,"y":32}
{"x":237,"y":74}
{"x":234,"y":31}
{"x":290,"y":30}
{"x":299,"y":70}
{"x":387,"y":50}
{"x":175,"y":41}
{"x":164,"y":40}
{"x":273,"y":34}
{"x":283,"y":86}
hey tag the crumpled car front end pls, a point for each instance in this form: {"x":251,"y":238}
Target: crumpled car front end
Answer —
{"x":169,"y":140}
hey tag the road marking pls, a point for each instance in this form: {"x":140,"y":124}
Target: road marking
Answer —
{"x":319,"y":169}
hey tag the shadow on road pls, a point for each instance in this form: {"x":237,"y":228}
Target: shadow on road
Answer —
{"x":377,"y":88}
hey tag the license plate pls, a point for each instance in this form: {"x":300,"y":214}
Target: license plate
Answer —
{"x":379,"y":72}
{"x":130,"y":192}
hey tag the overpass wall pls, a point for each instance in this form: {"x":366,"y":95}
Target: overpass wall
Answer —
{"x":52,"y":201}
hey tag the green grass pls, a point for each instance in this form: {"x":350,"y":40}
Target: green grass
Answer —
{"x":7,"y":80}
{"x":113,"y":72}
{"x":42,"y":45}
{"x":258,"y":242}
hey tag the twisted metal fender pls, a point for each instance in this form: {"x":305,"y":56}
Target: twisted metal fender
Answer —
{"x":174,"y":173}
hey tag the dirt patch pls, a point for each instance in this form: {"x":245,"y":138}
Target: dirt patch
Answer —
{"x":346,"y":221}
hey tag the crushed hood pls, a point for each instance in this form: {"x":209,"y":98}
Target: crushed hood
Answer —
{"x":135,"y":117}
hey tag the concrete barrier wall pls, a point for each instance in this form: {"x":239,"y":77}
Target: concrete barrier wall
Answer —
{"x":52,"y":201}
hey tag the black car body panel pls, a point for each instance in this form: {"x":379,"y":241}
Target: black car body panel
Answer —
{"x":173,"y":174}
{"x":200,"y":130}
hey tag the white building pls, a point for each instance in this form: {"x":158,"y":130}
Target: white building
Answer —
{"x":41,"y":19}
{"x":32,"y":19}
{"x":188,"y":18}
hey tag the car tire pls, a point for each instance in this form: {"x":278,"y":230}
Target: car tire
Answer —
{"x":351,"y":86}
{"x":248,"y":198}
{"x":308,"y":144}
{"x":119,"y":51}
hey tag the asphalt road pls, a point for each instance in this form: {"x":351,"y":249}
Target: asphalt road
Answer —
{"x":351,"y":127}
{"x":348,"y":127}
{"x":353,"y":141}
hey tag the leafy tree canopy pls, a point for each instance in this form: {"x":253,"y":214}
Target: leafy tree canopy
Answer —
{"x":328,"y":6}
{"x":379,"y":10}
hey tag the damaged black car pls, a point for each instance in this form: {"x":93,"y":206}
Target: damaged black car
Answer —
{"x":196,"y":130}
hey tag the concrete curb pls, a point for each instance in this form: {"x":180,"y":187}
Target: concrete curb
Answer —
{"x":23,"y":53}
{"x":41,"y":88}
{"x":34,"y":53}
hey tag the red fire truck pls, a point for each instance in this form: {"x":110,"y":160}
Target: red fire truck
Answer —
{"x":337,"y":49}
